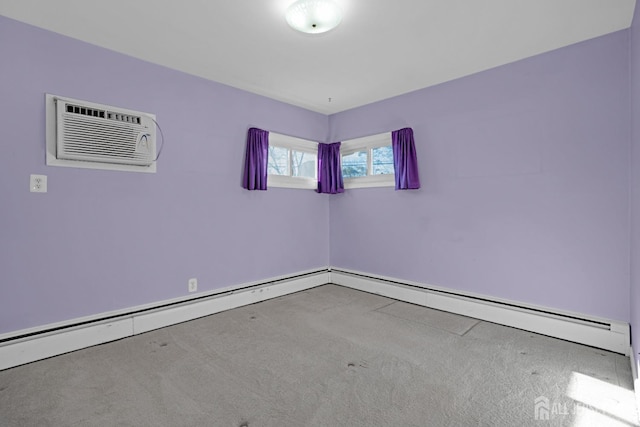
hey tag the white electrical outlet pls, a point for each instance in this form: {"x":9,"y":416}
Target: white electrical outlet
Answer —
{"x":193,"y":285}
{"x":38,"y":184}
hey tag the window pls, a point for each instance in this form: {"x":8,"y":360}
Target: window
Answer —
{"x":368,"y":162}
{"x":354,"y":165}
{"x":293,"y":162}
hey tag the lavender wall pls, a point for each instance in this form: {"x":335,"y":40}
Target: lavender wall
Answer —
{"x":524,"y":170}
{"x":635,"y":183}
{"x":102,"y":240}
{"x":525,"y":184}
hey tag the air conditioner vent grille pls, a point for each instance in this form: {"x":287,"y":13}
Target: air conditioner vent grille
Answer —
{"x":94,"y":112}
{"x":123,"y":118}
{"x":89,"y":138}
{"x":95,"y":133}
{"x":76,"y":109}
{"x":83,"y":134}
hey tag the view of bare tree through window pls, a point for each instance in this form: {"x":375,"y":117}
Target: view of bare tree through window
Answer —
{"x":382,"y":160}
{"x":355,"y":164}
{"x":304,"y":164}
{"x":278,"y":161}
{"x":283,"y":161}
{"x":289,"y":162}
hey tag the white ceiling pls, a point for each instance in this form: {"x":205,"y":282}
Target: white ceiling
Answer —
{"x":380,"y":50}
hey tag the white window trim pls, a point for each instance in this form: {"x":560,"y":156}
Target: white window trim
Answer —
{"x":292,"y":182}
{"x":366,"y":144}
{"x":370,"y":181}
{"x":295,"y":144}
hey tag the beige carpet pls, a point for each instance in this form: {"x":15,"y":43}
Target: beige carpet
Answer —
{"x":329,"y":356}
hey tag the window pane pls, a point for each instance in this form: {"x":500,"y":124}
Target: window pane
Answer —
{"x":354,"y":165}
{"x":382,"y":160}
{"x":304,"y":164}
{"x":278,"y":161}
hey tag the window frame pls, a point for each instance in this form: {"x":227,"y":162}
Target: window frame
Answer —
{"x":292,"y":143}
{"x":367,"y":143}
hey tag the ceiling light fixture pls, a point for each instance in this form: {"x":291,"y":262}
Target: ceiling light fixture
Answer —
{"x":314,"y":16}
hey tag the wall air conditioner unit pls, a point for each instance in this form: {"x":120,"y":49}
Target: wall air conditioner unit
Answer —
{"x":89,"y":135}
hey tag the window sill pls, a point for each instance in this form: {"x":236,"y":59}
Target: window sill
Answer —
{"x":279,"y":181}
{"x":370,"y":181}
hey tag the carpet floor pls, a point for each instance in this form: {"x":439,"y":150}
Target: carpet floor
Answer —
{"x":329,"y":356}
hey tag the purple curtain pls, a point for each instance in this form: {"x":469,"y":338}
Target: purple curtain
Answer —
{"x":404,"y":159}
{"x":256,"y":160}
{"x":329,"y":171}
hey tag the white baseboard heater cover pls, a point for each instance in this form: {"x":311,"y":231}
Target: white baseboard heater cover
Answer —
{"x":26,"y":346}
{"x":602,"y":333}
{"x":35,"y":344}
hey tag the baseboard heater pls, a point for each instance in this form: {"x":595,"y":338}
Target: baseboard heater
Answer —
{"x":30,"y":345}
{"x":25,"y":346}
{"x":596,"y":332}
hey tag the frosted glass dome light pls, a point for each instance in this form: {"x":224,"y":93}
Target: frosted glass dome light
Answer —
{"x":314,"y":16}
